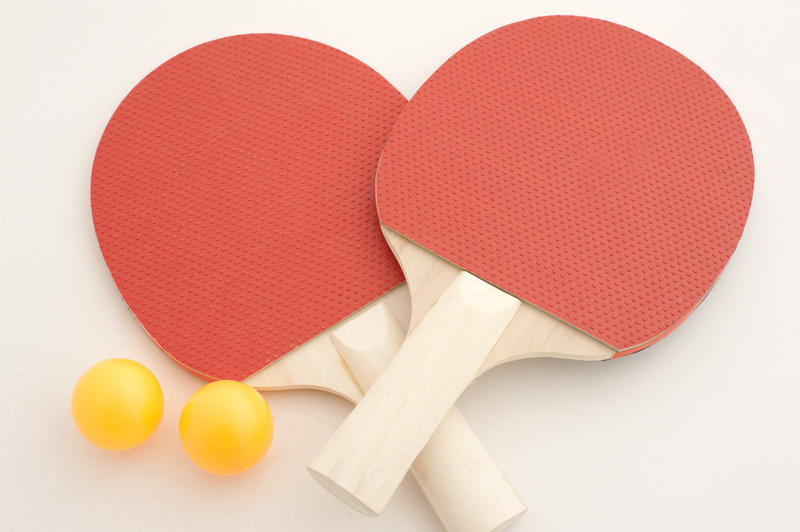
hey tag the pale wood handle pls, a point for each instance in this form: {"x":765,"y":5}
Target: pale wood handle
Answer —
{"x":466,"y":488}
{"x":373,"y":449}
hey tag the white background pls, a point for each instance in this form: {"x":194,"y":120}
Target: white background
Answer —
{"x":700,"y":432}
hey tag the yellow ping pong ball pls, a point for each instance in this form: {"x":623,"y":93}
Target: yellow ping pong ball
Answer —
{"x":226,"y":427}
{"x":117,"y":404}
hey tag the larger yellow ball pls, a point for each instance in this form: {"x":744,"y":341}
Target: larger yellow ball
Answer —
{"x":117,"y":404}
{"x":226,"y":427}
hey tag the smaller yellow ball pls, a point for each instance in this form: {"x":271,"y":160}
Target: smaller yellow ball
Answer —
{"x":117,"y":404}
{"x":226,"y":427}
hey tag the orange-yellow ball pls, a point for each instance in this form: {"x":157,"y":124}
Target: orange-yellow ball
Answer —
{"x":117,"y":404}
{"x":226,"y":427}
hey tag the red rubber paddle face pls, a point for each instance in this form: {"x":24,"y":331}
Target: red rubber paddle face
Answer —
{"x":233,"y":200}
{"x":578,"y":165}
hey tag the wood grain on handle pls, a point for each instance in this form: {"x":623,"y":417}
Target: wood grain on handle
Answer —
{"x":369,"y":455}
{"x":466,"y":488}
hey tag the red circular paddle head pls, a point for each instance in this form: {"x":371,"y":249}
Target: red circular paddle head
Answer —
{"x":579,"y":165}
{"x":232,"y":196}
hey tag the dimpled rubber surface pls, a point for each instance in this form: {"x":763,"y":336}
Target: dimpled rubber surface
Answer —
{"x":579,"y":165}
{"x":233,"y":198}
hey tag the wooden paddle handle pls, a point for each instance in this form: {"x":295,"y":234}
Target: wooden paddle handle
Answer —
{"x":373,"y":449}
{"x":466,"y":488}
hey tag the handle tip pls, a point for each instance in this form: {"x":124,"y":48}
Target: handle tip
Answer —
{"x":511,"y":520}
{"x":341,"y":493}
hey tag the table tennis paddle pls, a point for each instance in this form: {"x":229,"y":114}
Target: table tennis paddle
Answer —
{"x":232,"y":197}
{"x":561,"y":187}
